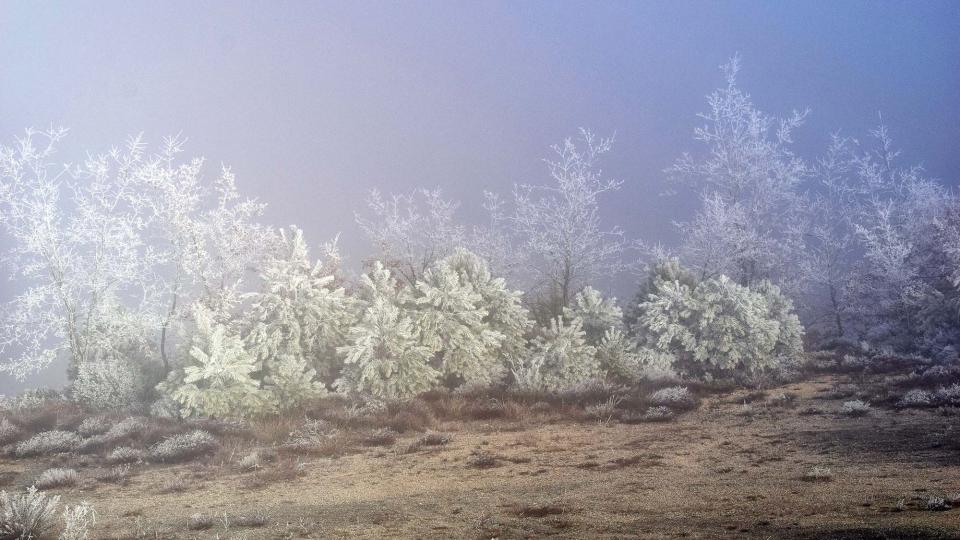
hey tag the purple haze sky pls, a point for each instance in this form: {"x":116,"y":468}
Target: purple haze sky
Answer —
{"x":312,"y":104}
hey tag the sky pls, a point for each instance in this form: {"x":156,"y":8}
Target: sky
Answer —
{"x":314,"y":103}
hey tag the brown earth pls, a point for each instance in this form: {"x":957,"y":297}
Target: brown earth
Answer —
{"x":727,"y":470}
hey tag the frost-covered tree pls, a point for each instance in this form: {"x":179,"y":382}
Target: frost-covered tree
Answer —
{"x":297,"y":320}
{"x":561,"y":358}
{"x":458,"y":325}
{"x":751,"y":224}
{"x":555,"y":229}
{"x":76,"y":249}
{"x":904,"y":296}
{"x":471,"y":320}
{"x":108,"y":384}
{"x":716,"y":326}
{"x":384,"y":355}
{"x":217,"y":378}
{"x":411,"y":232}
{"x":597,"y":314}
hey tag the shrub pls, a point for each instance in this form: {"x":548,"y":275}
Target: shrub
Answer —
{"x":675,"y":397}
{"x":716,"y":327}
{"x":604,"y":411}
{"x":183,"y":447}
{"x":54,"y":478}
{"x":949,"y":395}
{"x":125,"y":454}
{"x":48,"y":442}
{"x":218,"y":380}
{"x":108,"y":384}
{"x":429,"y":439}
{"x":380,"y":437}
{"x":119,"y":474}
{"x":599,"y":315}
{"x":27,"y":515}
{"x":916,"y":398}
{"x":126,"y":429}
{"x":818,"y":474}
{"x":658,"y":414}
{"x":482,"y":460}
{"x":77,"y":521}
{"x":855,"y":408}
{"x":561,"y":358}
{"x":384,"y":355}
{"x":94,"y":425}
{"x":9,"y":432}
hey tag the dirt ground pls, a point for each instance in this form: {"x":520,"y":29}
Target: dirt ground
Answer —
{"x":726,"y":470}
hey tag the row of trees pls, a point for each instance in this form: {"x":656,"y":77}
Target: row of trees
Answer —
{"x":140,"y":271}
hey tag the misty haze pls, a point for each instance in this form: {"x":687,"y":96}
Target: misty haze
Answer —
{"x":479,"y":270}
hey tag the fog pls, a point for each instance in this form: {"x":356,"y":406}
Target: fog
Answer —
{"x":314,"y":104}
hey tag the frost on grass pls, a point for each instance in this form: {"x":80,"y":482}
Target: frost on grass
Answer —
{"x":183,"y":447}
{"x":48,"y":442}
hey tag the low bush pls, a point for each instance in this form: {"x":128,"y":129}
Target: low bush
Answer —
{"x":119,"y":474}
{"x":479,"y":459}
{"x":77,"y":521}
{"x":54,"y":478}
{"x":48,"y":442}
{"x":95,"y":425}
{"x":818,"y":474}
{"x":125,"y":454}
{"x":27,"y":515}
{"x":380,"y":437}
{"x":675,"y":397}
{"x":855,"y":407}
{"x":183,"y":447}
{"x":9,"y":432}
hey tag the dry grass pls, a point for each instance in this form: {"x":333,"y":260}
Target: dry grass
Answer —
{"x":472,"y":464}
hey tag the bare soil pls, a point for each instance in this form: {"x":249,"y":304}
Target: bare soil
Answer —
{"x":726,"y":470}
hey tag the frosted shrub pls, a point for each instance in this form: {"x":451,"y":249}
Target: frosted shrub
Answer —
{"x":94,"y":425}
{"x":384,"y":355}
{"x":560,"y":358}
{"x":949,"y":395}
{"x":217,"y":380}
{"x":675,"y":397}
{"x":126,"y":429}
{"x":108,"y":384}
{"x":916,"y":398}
{"x":77,"y":521}
{"x":470,"y":319}
{"x":183,"y":447}
{"x":855,"y":408}
{"x":48,"y":442}
{"x":716,"y":327}
{"x":27,"y":515}
{"x":54,"y":478}
{"x":9,"y":432}
{"x":659,"y":413}
{"x":599,"y":315}
{"x":125,"y":454}
{"x":297,"y":320}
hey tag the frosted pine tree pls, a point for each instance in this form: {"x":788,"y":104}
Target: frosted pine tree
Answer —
{"x":469,"y":318}
{"x":217,"y":378}
{"x":384,"y":355}
{"x":597,"y":313}
{"x":296,"y":322}
{"x":560,"y":358}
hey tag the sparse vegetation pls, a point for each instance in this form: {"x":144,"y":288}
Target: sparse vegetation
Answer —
{"x":56,"y":478}
{"x":183,"y":447}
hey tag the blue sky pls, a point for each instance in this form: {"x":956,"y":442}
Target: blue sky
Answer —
{"x":312,"y":104}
